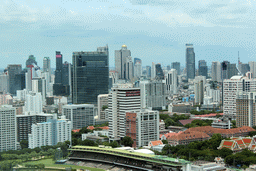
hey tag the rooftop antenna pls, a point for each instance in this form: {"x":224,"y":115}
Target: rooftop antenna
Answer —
{"x":238,"y":58}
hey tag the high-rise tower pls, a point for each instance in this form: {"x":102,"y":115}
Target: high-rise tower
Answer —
{"x":190,"y":61}
{"x":120,"y":61}
{"x":90,"y":75}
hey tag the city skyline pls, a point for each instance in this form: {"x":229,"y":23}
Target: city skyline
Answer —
{"x":216,"y":29}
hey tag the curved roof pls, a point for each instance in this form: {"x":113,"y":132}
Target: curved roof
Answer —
{"x":236,"y":77}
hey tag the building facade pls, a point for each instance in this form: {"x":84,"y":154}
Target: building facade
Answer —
{"x":142,"y":126}
{"x":176,"y":65}
{"x":216,"y":71}
{"x":102,"y":105}
{"x":90,"y":76}
{"x":120,"y":61}
{"x":230,"y":89}
{"x":153,"y":94}
{"x":8,"y":128}
{"x":50,"y":133}
{"x":172,"y":81}
{"x":245,"y":109}
{"x":190,"y":61}
{"x":80,"y":115}
{"x":13,"y":70}
{"x":122,"y":98}
{"x":24,"y":123}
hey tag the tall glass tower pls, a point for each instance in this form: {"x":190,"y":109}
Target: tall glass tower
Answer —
{"x":190,"y":61}
{"x":90,"y":75}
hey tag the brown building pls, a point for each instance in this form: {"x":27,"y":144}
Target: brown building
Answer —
{"x":187,"y":137}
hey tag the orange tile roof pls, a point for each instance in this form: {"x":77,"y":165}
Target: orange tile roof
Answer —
{"x":90,"y":127}
{"x":189,"y":136}
{"x":227,"y":143}
{"x":76,"y":130}
{"x":158,"y":142}
{"x":104,"y":127}
{"x":247,"y":140}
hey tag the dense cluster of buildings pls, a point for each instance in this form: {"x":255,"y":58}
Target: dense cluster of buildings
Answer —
{"x":43,"y":107}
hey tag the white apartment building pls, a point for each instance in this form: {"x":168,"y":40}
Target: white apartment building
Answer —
{"x":199,"y":91}
{"x":33,"y":102}
{"x":50,"y":133}
{"x":142,"y":126}
{"x":171,"y":81}
{"x":153,"y":94}
{"x":80,"y":115}
{"x":8,"y":128}
{"x":122,"y":98}
{"x":102,"y":101}
{"x":230,"y":88}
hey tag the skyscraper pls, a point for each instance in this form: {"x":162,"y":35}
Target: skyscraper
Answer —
{"x":58,"y":71}
{"x":31,"y":61}
{"x":137,"y":70}
{"x":216,"y":71}
{"x":13,"y":70}
{"x":148,"y":69}
{"x":46,"y":64}
{"x":90,"y":76}
{"x":176,"y":65}
{"x":128,"y":68}
{"x":159,"y":72}
{"x":202,"y":68}
{"x":171,"y":81}
{"x":120,"y":60}
{"x":190,"y":61}
{"x":137,"y":60}
{"x":121,"y":100}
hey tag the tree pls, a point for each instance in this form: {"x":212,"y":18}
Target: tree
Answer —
{"x":224,"y":152}
{"x":165,"y":141}
{"x":104,"y":107}
{"x":127,"y":141}
{"x":23,"y":144}
{"x":114,"y":144}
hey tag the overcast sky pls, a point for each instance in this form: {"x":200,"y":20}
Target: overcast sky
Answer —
{"x":154,"y":30}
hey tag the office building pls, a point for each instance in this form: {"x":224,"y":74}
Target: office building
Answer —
{"x":243,"y":68}
{"x":122,"y":98}
{"x":66,"y":74}
{"x":137,"y":70}
{"x":252,"y":65}
{"x":148,"y":69}
{"x":171,"y":81}
{"x":80,"y":115}
{"x":50,"y":133}
{"x":128,"y":68}
{"x":102,"y":105}
{"x":176,"y":65}
{"x":199,"y":91}
{"x":231,"y":70}
{"x":19,"y":81}
{"x":168,"y":67}
{"x":4,"y":82}
{"x":216,"y":71}
{"x":33,"y":103}
{"x":90,"y":76}
{"x":142,"y":126}
{"x":230,"y":89}
{"x":58,"y":88}
{"x":202,"y":68}
{"x":13,"y":70}
{"x":25,"y":121}
{"x":120,"y":61}
{"x":190,"y":61}
{"x":159,"y":72}
{"x":245,"y":109}
{"x":8,"y":128}
{"x":153,"y":71}
{"x":46,"y":64}
{"x":137,"y":60}
{"x":153,"y":94}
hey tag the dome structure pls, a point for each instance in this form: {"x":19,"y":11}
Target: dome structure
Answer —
{"x":124,"y":46}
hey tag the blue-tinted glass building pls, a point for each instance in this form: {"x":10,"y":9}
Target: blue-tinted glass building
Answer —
{"x":190,"y":61}
{"x":90,"y":75}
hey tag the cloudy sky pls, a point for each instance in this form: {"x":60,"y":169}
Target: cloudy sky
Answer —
{"x":154,"y":30}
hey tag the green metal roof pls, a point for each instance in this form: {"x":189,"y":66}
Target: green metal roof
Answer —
{"x":140,"y":156}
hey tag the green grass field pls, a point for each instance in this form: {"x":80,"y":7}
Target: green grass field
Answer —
{"x":50,"y":163}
